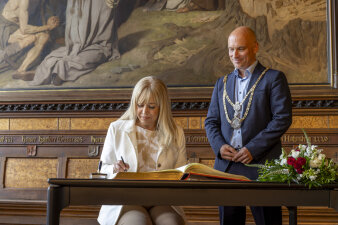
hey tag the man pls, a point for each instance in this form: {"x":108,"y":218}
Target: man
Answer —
{"x":17,"y":12}
{"x":90,"y":40}
{"x":246,"y":120}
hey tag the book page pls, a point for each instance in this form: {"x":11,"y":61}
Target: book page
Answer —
{"x":196,"y":169}
{"x":200,"y":169}
{"x":153,"y":175}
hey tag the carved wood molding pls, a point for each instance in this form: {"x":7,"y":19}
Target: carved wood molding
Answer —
{"x":119,"y":107}
{"x":315,"y":104}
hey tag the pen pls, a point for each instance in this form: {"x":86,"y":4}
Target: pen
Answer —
{"x":99,"y":168}
{"x":123,"y":163}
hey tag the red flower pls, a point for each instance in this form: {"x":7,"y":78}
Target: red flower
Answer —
{"x":299,"y":170}
{"x":291,"y":161}
{"x":298,"y":165}
{"x":301,"y":161}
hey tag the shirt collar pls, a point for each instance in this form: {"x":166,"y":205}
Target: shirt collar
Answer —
{"x":248,"y":72}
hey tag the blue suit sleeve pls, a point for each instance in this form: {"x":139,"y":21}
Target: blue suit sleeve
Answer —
{"x":213,"y":121}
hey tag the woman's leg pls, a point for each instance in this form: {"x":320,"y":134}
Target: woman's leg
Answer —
{"x":135,"y":215}
{"x":165,"y":215}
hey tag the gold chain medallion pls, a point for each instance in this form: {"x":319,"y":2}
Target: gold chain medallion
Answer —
{"x":236,"y":122}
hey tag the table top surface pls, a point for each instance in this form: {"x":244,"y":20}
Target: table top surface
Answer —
{"x":217,"y":184}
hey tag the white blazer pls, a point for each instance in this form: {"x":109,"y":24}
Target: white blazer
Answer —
{"x":121,"y":141}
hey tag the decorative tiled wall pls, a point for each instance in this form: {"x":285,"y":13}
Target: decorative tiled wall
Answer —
{"x":191,"y":123}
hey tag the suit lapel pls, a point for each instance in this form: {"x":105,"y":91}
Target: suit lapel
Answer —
{"x":255,"y":75}
{"x":231,"y":87}
{"x":257,"y":72}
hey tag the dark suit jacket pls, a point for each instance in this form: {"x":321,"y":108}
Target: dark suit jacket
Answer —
{"x":269,"y":117}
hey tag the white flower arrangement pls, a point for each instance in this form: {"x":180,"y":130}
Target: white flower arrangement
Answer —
{"x":305,"y":164}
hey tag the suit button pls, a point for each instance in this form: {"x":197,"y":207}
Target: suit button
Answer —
{"x":159,"y":165}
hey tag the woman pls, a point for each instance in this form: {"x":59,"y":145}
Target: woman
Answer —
{"x":148,"y":139}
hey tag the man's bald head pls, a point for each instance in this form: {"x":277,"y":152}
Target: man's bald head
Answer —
{"x":243,"y":47}
{"x":246,"y":32}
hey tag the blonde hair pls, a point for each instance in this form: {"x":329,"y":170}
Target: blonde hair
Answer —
{"x":146,"y":88}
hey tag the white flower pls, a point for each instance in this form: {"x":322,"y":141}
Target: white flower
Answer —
{"x":313,"y":177}
{"x":295,"y":154}
{"x":283,"y":162}
{"x":302,"y":147}
{"x":315,"y":163}
{"x":309,"y":150}
{"x":321,"y":157}
{"x":285,"y":171}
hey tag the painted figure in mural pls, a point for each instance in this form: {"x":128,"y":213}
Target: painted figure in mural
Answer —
{"x":90,"y":40}
{"x":250,"y":110}
{"x":18,"y":34}
{"x":184,"y":5}
{"x":202,"y":5}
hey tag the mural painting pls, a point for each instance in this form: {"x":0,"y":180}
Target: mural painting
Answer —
{"x":48,"y":44}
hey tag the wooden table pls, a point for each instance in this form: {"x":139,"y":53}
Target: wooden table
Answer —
{"x":66,"y":192}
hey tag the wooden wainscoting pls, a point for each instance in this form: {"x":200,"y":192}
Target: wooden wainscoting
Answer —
{"x":20,"y":214}
{"x":28,"y":159}
{"x":64,"y":139}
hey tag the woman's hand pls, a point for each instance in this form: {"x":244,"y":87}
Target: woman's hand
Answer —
{"x":120,"y":167}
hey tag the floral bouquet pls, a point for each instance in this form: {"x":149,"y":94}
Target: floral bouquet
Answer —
{"x":304,"y":165}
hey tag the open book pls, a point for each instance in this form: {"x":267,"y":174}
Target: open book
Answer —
{"x":192,"y":171}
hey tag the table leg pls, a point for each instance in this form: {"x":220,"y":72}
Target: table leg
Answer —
{"x":55,"y":203}
{"x":292,"y":215}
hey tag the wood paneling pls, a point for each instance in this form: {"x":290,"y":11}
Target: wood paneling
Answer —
{"x":91,"y":123}
{"x":68,"y":144}
{"x":194,"y":123}
{"x":64,"y":124}
{"x":29,"y":172}
{"x":33,"y":124}
{"x":333,"y":121}
{"x":15,"y":214}
{"x":102,"y":123}
{"x":310,"y":122}
{"x":182,"y":122}
{"x":4,"y":124}
{"x":81,"y":168}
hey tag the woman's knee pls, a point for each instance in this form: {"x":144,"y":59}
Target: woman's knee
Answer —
{"x":136,"y":215}
{"x":165,"y":215}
